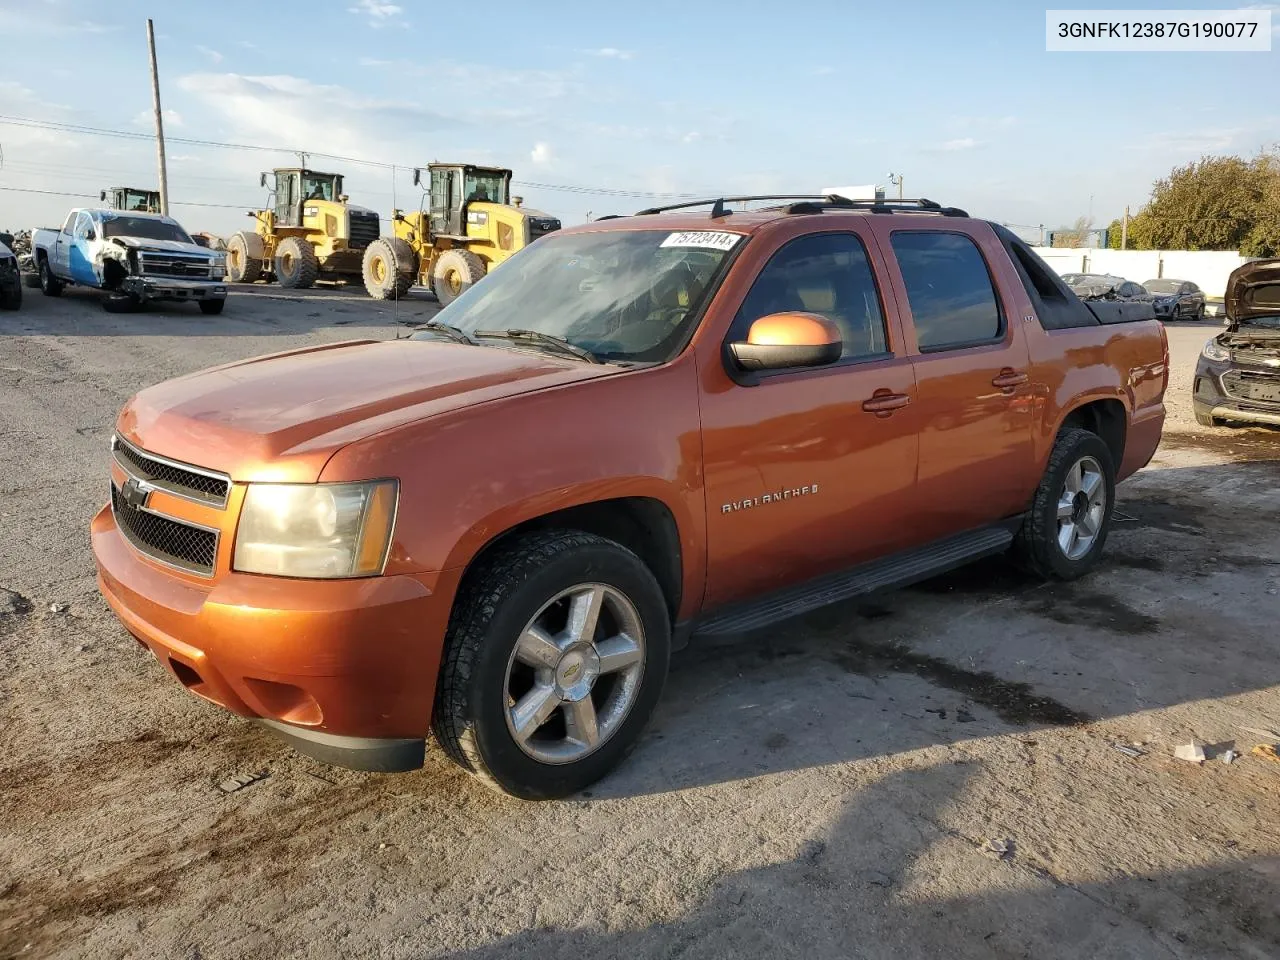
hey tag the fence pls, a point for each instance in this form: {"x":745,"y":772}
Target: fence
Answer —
{"x":1208,"y":269}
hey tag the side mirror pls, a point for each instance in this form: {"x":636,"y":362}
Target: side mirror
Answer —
{"x":102,"y":195}
{"x":343,"y":198}
{"x":90,"y":235}
{"x":262,"y":179}
{"x":417,"y":176}
{"x":783,"y":340}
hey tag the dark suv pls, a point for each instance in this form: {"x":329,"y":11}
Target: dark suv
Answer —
{"x":1238,"y":374}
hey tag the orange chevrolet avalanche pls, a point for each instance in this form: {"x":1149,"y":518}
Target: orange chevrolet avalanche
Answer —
{"x":638,"y":430}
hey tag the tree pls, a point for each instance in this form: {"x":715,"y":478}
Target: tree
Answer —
{"x":1214,"y":203}
{"x":1076,"y":236}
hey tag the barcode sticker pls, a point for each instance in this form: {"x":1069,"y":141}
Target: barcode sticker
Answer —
{"x":711,"y":239}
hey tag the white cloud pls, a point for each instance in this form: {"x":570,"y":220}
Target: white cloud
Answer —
{"x":822,"y":71}
{"x":691,"y":137}
{"x":247,"y":44}
{"x":380,"y":14}
{"x":147,"y":118}
{"x":541,"y":154}
{"x":372,"y":62}
{"x":1275,"y":15}
{"x":1190,"y":142}
{"x":213,"y":55}
{"x":17,"y":21}
{"x":960,"y":143}
{"x":611,"y":53}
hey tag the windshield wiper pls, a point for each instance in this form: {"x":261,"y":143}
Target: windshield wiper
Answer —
{"x":448,"y":330}
{"x":546,"y":339}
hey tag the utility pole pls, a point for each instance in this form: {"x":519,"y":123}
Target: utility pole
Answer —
{"x":155,"y":96}
{"x":1124,"y":230}
{"x":896,"y":178}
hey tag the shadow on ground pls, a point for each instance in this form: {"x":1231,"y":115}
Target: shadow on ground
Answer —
{"x":891,"y":880}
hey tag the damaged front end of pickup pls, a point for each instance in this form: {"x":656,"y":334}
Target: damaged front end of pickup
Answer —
{"x":1238,"y":373}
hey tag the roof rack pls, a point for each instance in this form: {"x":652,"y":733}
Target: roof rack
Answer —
{"x":800,"y":203}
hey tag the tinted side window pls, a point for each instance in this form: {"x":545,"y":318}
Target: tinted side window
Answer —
{"x":824,"y":273}
{"x":953,"y":302}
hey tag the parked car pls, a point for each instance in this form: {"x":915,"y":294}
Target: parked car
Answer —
{"x":1091,"y":286}
{"x":10,"y":275}
{"x":135,"y":257}
{"x":1176,"y":299}
{"x":1238,"y":373}
{"x":637,"y":430}
{"x":1215,"y":308}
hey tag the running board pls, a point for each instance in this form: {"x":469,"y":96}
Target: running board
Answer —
{"x":898,"y":570}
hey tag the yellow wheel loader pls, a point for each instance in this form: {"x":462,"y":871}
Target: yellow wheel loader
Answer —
{"x":311,"y":232}
{"x":469,"y":226}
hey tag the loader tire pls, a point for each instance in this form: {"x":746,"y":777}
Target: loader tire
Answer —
{"x":245,"y":255}
{"x":455,"y":272}
{"x":390,"y":268}
{"x":296,"y":264}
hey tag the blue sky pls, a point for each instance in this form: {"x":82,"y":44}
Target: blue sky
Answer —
{"x":664,"y":97}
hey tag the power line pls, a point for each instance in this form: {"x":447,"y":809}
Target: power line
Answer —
{"x":225,"y":145}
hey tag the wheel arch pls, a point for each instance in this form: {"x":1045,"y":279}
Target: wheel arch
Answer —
{"x":644,"y":524}
{"x":1107,"y":417}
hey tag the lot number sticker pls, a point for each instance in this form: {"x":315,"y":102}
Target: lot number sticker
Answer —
{"x":711,"y":239}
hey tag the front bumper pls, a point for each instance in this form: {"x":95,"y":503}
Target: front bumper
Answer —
{"x":343,"y":669}
{"x":165,"y":288}
{"x":1212,"y":397}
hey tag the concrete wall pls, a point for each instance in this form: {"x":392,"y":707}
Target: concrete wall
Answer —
{"x":1208,"y":269}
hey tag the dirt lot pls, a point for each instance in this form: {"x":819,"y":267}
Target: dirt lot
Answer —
{"x":827,"y":789}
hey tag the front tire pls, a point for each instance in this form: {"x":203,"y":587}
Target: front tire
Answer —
{"x":1065,"y":530}
{"x":555,"y":658}
{"x":296,"y":264}
{"x":212,"y":308}
{"x":11,"y":297}
{"x":245,"y":255}
{"x":389,"y":268}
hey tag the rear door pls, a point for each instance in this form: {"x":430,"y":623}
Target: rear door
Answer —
{"x":59,"y":256}
{"x":974,"y":389}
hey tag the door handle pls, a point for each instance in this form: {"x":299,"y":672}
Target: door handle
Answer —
{"x":883,"y":403}
{"x":1009,"y":378}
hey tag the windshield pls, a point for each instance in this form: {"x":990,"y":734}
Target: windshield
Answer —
{"x":145,"y":228}
{"x":319,"y":187}
{"x":141,"y":200}
{"x":623,"y":295}
{"x":484,"y":186}
{"x":1163,"y":286}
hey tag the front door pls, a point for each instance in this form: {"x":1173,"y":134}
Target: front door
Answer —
{"x":288,"y":199}
{"x":811,"y":470}
{"x":973,"y":383}
{"x":80,"y":258}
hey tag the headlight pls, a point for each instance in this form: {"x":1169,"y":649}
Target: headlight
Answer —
{"x":218,"y":267}
{"x":1213,"y":350}
{"x":316,"y":529}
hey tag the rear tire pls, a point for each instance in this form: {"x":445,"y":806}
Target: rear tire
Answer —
{"x":389,"y":268}
{"x":212,"y":307}
{"x":455,"y":272}
{"x":50,"y":285}
{"x":246,"y":253}
{"x":483,"y":680}
{"x":296,"y":264}
{"x":1065,"y":530}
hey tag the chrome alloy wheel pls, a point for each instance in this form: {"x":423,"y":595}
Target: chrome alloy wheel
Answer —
{"x":1082,"y":506}
{"x":574,"y":673}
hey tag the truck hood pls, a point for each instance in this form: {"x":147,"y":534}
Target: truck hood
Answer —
{"x":1253,"y":291}
{"x":164,"y":246}
{"x":282,"y":416}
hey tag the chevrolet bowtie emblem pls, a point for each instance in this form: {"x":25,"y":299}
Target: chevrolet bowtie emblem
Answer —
{"x":135,"y":492}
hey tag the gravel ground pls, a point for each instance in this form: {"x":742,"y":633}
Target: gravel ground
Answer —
{"x":830,"y":788}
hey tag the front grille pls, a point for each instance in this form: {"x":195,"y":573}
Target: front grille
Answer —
{"x":364,"y":229}
{"x":184,"y":481}
{"x":173,"y":265}
{"x":1247,"y":385}
{"x":170,"y":541}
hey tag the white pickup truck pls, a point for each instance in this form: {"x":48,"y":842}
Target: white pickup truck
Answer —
{"x":136,"y":257}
